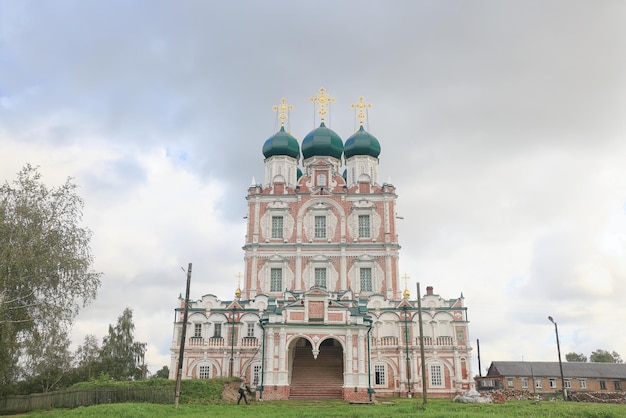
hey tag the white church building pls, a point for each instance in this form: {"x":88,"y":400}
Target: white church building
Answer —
{"x":322,"y":313}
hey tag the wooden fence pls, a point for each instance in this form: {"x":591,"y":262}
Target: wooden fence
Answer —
{"x":73,"y":398}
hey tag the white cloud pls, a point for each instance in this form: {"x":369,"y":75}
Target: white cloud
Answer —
{"x":501,"y":126}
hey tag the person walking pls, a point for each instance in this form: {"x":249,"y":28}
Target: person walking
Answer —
{"x":242,"y":391}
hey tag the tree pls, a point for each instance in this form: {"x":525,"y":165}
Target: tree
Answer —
{"x":122,"y":357}
{"x":575,"y":357}
{"x":164,"y":373}
{"x":88,"y":358}
{"x":45,"y":268}
{"x":46,"y":361}
{"x":603,"y":356}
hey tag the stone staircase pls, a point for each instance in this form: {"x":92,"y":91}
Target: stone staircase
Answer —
{"x":320,"y":378}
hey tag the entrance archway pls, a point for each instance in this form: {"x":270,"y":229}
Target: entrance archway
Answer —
{"x":316,"y":378}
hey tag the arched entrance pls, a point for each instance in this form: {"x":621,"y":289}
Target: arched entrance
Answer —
{"x":315,"y":375}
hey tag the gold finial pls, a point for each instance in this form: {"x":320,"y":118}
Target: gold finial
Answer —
{"x":323,"y":100}
{"x":362,"y":109}
{"x":283,"y":109}
{"x":406,"y":292}
{"x":238,"y":291}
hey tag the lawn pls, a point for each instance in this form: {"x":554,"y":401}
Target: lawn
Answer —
{"x":384,"y":408}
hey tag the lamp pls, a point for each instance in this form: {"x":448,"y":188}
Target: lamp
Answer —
{"x":558,"y":347}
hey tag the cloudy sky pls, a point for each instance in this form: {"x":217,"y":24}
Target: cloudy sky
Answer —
{"x":502,"y":126}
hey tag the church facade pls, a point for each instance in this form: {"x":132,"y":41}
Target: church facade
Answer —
{"x":322,"y":313}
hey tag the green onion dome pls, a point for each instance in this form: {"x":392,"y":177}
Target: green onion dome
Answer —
{"x":281,"y":143}
{"x":322,"y":142}
{"x":361,"y":143}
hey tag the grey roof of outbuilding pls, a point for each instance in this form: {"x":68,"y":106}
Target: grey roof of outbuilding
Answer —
{"x":551,"y":369}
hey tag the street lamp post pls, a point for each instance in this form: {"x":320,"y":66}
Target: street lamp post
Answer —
{"x":558,"y":348}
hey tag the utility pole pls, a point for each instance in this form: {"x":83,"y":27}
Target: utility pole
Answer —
{"x":419,"y":313}
{"x":179,"y":371}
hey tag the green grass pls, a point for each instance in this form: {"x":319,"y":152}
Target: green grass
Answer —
{"x":385,"y":408}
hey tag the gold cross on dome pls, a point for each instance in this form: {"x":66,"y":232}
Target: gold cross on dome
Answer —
{"x":283,"y":109}
{"x":406,"y":292}
{"x":238,"y":291}
{"x":406,"y":278}
{"x":322,"y":100}
{"x":362,"y":109}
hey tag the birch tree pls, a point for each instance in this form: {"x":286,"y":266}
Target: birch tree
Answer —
{"x":46,"y":273}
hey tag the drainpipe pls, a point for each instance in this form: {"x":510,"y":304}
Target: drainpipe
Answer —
{"x":408,"y":362}
{"x":232,"y":343}
{"x":370,"y":391}
{"x":260,"y":388}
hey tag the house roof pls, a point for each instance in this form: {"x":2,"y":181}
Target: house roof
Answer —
{"x":551,"y":369}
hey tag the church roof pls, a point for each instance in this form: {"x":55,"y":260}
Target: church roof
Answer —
{"x":281,"y":143}
{"x":322,"y":142}
{"x":361,"y":143}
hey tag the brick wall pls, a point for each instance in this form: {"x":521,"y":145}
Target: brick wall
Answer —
{"x":358,"y":396}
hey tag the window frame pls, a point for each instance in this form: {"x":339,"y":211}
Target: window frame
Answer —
{"x":524,"y":381}
{"x":552,"y":383}
{"x":364,"y":228}
{"x":217,"y":330}
{"x":276,"y":279}
{"x":538,"y":383}
{"x":250,"y":328}
{"x":277,"y":227}
{"x":602,"y":384}
{"x":197,"y":330}
{"x":380,"y":375}
{"x":582,"y":383}
{"x":317,"y":279}
{"x":366,"y":279}
{"x":319,"y":226}
{"x":204,"y":371}
{"x":436,"y":375}
{"x":256,"y":374}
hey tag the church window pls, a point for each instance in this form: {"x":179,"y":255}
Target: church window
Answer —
{"x":197,"y":330}
{"x":321,"y":180}
{"x":366,"y":279}
{"x":277,"y":226}
{"x":217,"y":331}
{"x":320,"y":227}
{"x":204,"y":372}
{"x":250,"y":333}
{"x":256,"y":374}
{"x":364,"y":226}
{"x":320,"y":277}
{"x":436,"y":375}
{"x":380,"y":377}
{"x":276,"y":280}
